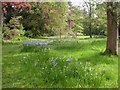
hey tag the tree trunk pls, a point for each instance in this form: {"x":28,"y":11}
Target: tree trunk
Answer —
{"x":112,"y":30}
{"x":90,"y":14}
{"x":119,"y":30}
{"x":60,"y":34}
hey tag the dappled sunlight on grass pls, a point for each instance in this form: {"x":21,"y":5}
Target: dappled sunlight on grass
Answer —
{"x":19,"y":54}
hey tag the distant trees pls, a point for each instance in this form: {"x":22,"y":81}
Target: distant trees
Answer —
{"x":33,"y":22}
{"x":100,"y":20}
{"x":70,"y":19}
{"x":90,"y":19}
{"x":54,"y":18}
{"x":46,"y":18}
{"x":77,"y":20}
{"x":56,"y":13}
{"x":43,"y":19}
{"x":89,"y":11}
{"x":95,"y":18}
{"x":12,"y":26}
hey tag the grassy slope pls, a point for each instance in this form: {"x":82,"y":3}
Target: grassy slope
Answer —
{"x":19,"y":69}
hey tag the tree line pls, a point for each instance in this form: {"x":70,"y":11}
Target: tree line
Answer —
{"x":60,"y":18}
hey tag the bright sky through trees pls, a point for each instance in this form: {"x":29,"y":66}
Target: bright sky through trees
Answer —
{"x":76,"y":2}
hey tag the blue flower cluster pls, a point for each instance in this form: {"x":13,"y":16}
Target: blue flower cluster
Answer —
{"x":69,"y":60}
{"x":36,"y":42}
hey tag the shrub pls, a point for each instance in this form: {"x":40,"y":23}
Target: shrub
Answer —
{"x":13,"y":29}
{"x":21,"y":38}
{"x":6,"y":32}
{"x":28,"y":34}
{"x":5,"y":28}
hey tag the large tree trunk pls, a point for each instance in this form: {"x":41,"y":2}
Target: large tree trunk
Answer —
{"x":112,"y":30}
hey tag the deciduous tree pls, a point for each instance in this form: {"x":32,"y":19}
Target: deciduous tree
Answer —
{"x":12,"y":8}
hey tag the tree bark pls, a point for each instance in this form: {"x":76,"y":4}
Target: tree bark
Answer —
{"x":90,"y":14}
{"x":60,"y":34}
{"x":119,"y":30}
{"x":112,"y":30}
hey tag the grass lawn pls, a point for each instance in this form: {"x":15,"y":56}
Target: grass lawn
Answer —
{"x":69,"y":63}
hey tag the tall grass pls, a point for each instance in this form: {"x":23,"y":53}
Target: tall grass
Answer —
{"x":62,"y":64}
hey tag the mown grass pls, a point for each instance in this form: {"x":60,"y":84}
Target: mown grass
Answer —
{"x":69,"y":63}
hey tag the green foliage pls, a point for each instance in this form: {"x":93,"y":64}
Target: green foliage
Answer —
{"x":45,"y":18}
{"x":50,"y":18}
{"x":5,"y":28}
{"x":28,"y":33}
{"x":14,"y":23}
{"x":21,"y":38}
{"x":6,"y":31}
{"x":34,"y":22}
{"x":57,"y":16}
{"x":77,"y":19}
{"x":90,"y":19}
{"x":101,"y":19}
{"x":13,"y":29}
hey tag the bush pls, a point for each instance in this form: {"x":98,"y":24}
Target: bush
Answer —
{"x":5,"y":31}
{"x":28,"y":34}
{"x":21,"y":38}
{"x":7,"y":35}
{"x":13,"y":29}
{"x":5,"y":28}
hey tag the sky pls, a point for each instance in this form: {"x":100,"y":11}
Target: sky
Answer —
{"x":76,"y":2}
